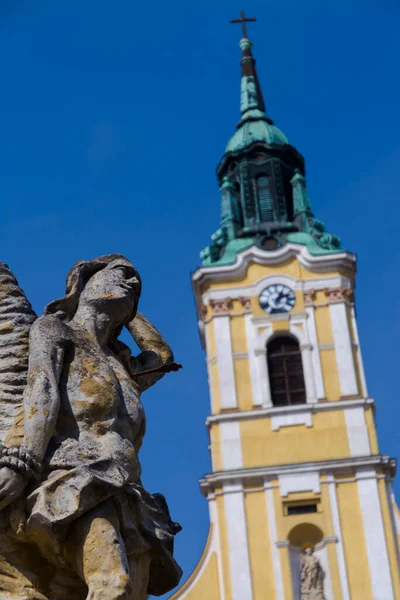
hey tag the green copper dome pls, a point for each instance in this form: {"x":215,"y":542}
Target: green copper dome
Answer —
{"x":251,"y":131}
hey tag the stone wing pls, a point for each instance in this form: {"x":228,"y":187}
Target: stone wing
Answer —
{"x":16,"y":318}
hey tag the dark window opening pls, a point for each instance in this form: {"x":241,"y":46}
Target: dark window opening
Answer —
{"x":301,"y":509}
{"x":270,"y":244}
{"x":264,"y":198}
{"x":285,"y":370}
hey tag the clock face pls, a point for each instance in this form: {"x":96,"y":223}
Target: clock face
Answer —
{"x":277,"y":298}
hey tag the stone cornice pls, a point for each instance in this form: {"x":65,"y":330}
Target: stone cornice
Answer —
{"x":260,"y":413}
{"x":264,"y":474}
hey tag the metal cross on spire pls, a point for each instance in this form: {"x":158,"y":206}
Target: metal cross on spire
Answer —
{"x":243,"y":20}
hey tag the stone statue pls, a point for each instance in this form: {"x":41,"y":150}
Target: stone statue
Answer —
{"x":75,"y":520}
{"x":312,"y":577}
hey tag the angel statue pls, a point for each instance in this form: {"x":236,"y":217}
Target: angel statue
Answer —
{"x":75,"y":521}
{"x":312,"y":576}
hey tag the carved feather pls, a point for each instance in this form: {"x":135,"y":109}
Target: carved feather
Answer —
{"x":16,"y":318}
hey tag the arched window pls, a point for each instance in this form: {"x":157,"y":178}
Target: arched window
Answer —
{"x":285,"y":369}
{"x":264,"y":198}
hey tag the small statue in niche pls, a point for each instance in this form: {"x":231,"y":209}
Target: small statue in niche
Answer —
{"x":76,"y":521}
{"x":312,"y":576}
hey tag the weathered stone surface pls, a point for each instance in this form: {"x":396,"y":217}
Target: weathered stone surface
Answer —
{"x":312,"y":577}
{"x":75,"y":520}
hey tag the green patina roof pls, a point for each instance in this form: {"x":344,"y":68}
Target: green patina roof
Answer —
{"x":251,"y":131}
{"x":257,"y":216}
{"x":234,"y":247}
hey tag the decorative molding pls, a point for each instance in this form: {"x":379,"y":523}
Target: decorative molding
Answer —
{"x":261,"y":413}
{"x":329,"y":539}
{"x":290,"y":419}
{"x":339,"y":294}
{"x":240,"y":355}
{"x":318,"y":264}
{"x":327,"y":346}
{"x":255,"y":475}
{"x":299,"y":482}
{"x":221,"y":307}
{"x":245,"y":302}
{"x":308,"y":297}
{"x":203,"y":312}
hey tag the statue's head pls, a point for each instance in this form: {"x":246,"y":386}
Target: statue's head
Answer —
{"x":109,"y":283}
{"x":308,"y":551}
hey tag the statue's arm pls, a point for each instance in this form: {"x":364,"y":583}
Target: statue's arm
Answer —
{"x":155,"y":351}
{"x":42,"y":395}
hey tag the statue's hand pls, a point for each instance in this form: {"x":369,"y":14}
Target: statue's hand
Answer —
{"x":11,"y":485}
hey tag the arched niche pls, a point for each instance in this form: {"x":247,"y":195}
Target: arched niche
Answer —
{"x":302,"y":536}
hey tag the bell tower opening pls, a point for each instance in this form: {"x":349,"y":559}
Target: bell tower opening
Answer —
{"x":285,"y":369}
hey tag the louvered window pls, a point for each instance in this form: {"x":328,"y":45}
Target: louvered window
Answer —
{"x":285,"y":369}
{"x":264,"y":198}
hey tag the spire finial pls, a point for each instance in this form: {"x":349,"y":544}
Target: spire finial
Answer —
{"x":243,"y":20}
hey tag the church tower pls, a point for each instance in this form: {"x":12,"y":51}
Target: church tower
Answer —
{"x":295,"y":457}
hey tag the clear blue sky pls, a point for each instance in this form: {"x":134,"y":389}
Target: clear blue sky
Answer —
{"x":113,"y":117}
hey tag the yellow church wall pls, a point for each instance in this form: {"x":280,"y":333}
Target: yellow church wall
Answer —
{"x":354,"y":541}
{"x":389,"y":535}
{"x":214,"y":387}
{"x":330,"y":374}
{"x":324,"y":325}
{"x":259,"y":547}
{"x":243,"y":384}
{"x":373,"y":438}
{"x":206,"y":584}
{"x":326,"y":439}
{"x":224,"y":547}
{"x":238,"y":334}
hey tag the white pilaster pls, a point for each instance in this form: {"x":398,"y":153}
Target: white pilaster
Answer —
{"x":337,"y":531}
{"x":209,"y":370}
{"x":359,"y":354}
{"x":264,"y":386}
{"x":311,"y":395}
{"x":226,"y":373}
{"x":343,"y":349}
{"x":395,"y":527}
{"x":216,"y":543}
{"x":276,"y":559}
{"x":255,"y":376}
{"x":378,"y":560}
{"x":238,"y":550}
{"x":315,"y":356}
{"x":231,"y":448}
{"x":357,"y":432}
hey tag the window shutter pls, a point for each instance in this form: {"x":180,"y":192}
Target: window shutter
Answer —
{"x":264,"y":198}
{"x":285,"y":369}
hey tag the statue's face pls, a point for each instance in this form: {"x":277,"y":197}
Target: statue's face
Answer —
{"x":308,"y":551}
{"x":116,"y":288}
